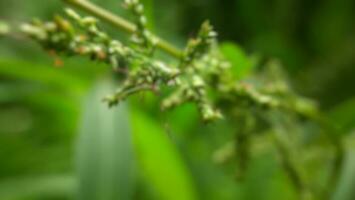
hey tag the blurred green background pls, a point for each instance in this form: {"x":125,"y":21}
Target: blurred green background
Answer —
{"x":54,"y":130}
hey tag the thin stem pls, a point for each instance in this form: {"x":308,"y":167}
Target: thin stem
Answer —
{"x":290,"y":168}
{"x":339,"y":151}
{"x":335,"y":173}
{"x":120,"y":23}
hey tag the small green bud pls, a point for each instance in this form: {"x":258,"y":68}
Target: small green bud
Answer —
{"x":33,"y":31}
{"x":139,"y":8}
{"x":111,"y":100}
{"x":197,"y":81}
{"x":209,"y":114}
{"x":71,"y":13}
{"x":4,"y":28}
{"x":89,"y":21}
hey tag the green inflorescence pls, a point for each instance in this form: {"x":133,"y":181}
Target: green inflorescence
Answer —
{"x":201,"y":76}
{"x":201,"y":67}
{"x":81,"y":36}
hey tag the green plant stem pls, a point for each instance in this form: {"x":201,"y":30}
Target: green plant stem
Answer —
{"x":290,"y":168}
{"x":335,"y":173}
{"x":120,"y":23}
{"x":339,"y":151}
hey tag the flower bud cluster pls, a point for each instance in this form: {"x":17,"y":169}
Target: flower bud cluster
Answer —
{"x":198,"y":64}
{"x":79,"y":36}
{"x":201,"y":77}
{"x":269,"y":90}
{"x":142,"y":37}
{"x":83,"y":37}
{"x":199,"y":46}
{"x":200,"y":71}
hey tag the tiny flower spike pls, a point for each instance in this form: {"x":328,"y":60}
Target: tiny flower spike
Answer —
{"x":196,"y":72}
{"x":197,"y":47}
{"x":142,"y":37}
{"x":201,"y":67}
{"x":82,"y":36}
{"x":201,"y":75}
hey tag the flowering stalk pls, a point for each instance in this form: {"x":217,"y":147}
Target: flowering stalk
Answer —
{"x":119,"y":23}
{"x":202,"y":75}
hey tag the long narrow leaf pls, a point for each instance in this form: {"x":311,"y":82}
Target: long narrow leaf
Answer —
{"x":160,"y":161}
{"x":105,"y":156}
{"x":50,"y":185}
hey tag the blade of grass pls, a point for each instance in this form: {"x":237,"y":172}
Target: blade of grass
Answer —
{"x":160,"y":161}
{"x":105,"y":159}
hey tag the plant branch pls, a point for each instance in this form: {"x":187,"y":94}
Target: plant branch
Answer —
{"x":201,"y":69}
{"x":339,"y":151}
{"x":335,"y":173}
{"x":290,"y":168}
{"x":120,"y":23}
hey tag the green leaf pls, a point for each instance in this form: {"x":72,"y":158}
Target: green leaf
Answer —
{"x":105,"y":153}
{"x":345,"y":188}
{"x":241,"y":64}
{"x":160,"y":161}
{"x":343,"y":115}
{"x":46,"y":75}
{"x":35,"y":187}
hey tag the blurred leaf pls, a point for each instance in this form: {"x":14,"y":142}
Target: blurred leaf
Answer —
{"x":46,"y":108}
{"x":345,"y":188}
{"x":27,"y":187}
{"x":161,"y":163}
{"x":105,"y":155}
{"x":241,"y":64}
{"x":178,"y":121}
{"x":344,"y":115}
{"x":42,"y":74}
